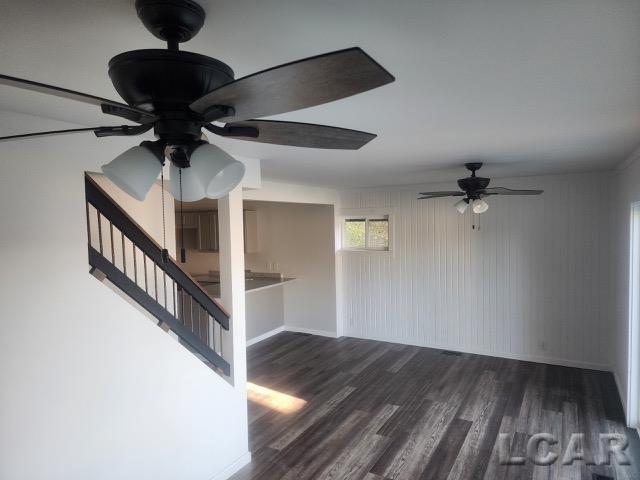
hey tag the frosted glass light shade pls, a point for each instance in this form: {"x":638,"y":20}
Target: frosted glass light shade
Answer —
{"x":218,"y":171}
{"x":192,"y":186}
{"x":461,"y":206}
{"x":480,"y":206}
{"x":134,"y":171}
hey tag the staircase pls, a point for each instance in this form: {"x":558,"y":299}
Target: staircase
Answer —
{"x":122,"y":252}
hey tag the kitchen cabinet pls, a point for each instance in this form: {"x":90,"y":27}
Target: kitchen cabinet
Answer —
{"x":204,"y":226}
{"x":189,"y":220}
{"x":208,"y":231}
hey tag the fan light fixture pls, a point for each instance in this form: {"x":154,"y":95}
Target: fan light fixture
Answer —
{"x":192,"y":188}
{"x":480,"y":206}
{"x":210,"y":172}
{"x":135,"y":170}
{"x":462,"y":205}
{"x":218,"y":171}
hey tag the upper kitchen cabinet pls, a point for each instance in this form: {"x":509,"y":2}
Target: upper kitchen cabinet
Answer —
{"x":208,"y":232}
{"x":201,"y":230}
{"x":189,"y":220}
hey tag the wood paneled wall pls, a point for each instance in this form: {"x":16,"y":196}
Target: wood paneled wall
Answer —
{"x":532,"y":283}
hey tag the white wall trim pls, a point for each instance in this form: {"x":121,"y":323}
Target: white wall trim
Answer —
{"x":526,"y":358}
{"x":616,"y":377}
{"x":311,"y":331}
{"x":240,"y":462}
{"x":264,"y":336}
{"x":286,"y":328}
{"x":511,"y":356}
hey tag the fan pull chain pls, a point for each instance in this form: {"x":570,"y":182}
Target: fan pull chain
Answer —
{"x":183,"y":252}
{"x":165,"y":252}
{"x":476,"y":220}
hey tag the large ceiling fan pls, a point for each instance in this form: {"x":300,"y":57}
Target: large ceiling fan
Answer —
{"x":178,"y":93}
{"x":474,"y":190}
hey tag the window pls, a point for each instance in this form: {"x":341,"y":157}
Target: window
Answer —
{"x":366,"y":233}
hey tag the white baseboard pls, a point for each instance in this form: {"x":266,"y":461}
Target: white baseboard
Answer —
{"x":286,"y":328}
{"x":322,"y":333}
{"x":512,"y":356}
{"x":234,"y":467}
{"x":265,"y":335}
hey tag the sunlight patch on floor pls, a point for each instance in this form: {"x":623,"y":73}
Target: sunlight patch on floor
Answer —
{"x":273,"y":399}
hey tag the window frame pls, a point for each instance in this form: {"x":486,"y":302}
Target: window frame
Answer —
{"x":367,"y":215}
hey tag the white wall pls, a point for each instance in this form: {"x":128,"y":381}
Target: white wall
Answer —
{"x":265,"y":311}
{"x":532,"y":283}
{"x":90,"y":387}
{"x":299,"y":240}
{"x":626,"y":190}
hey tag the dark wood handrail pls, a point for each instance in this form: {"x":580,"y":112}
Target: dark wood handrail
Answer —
{"x":107,"y":207}
{"x":97,"y":260}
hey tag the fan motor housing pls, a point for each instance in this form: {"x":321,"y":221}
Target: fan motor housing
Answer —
{"x":166,"y":80}
{"x":473,"y":184}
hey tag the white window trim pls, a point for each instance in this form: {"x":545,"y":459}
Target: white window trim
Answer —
{"x":368,"y":213}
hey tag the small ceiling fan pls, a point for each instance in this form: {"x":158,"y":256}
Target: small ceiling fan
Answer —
{"x":178,"y":93}
{"x":474,"y":189}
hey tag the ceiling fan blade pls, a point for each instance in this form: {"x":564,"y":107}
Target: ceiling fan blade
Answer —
{"x":121,"y":130}
{"x":452,"y":193}
{"x":297,"y":134}
{"x":508,"y":191}
{"x":108,"y":106}
{"x":296,"y":85}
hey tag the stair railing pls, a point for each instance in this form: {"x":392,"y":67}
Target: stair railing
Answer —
{"x":121,"y":251}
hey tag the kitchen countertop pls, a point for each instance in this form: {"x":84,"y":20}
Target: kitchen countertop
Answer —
{"x":254,"y":281}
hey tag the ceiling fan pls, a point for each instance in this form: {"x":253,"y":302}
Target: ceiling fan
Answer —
{"x":474,"y":189}
{"x":178,"y":93}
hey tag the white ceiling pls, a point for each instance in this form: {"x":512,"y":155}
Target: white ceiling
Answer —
{"x":528,"y":86}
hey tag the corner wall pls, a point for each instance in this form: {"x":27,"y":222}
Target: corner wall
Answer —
{"x":90,"y":387}
{"x":299,"y":239}
{"x":626,"y":190}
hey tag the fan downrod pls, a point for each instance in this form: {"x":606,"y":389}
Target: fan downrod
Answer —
{"x":174,"y":21}
{"x":473,"y":167}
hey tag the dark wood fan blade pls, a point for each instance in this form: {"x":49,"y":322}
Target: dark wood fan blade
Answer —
{"x":108,"y":106}
{"x":120,"y":130}
{"x":452,"y":193}
{"x":297,"y":134}
{"x":508,"y":191}
{"x":296,"y":85}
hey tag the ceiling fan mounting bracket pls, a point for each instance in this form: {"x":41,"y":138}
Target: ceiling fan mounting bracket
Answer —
{"x":473,"y":166}
{"x":174,"y":21}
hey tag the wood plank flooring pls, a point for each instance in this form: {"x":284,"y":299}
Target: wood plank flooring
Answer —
{"x":379,"y":411}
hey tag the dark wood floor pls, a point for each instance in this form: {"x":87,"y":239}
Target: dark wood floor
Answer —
{"x":378,"y":410}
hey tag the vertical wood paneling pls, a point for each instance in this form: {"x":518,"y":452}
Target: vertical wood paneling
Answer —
{"x":531,"y":283}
